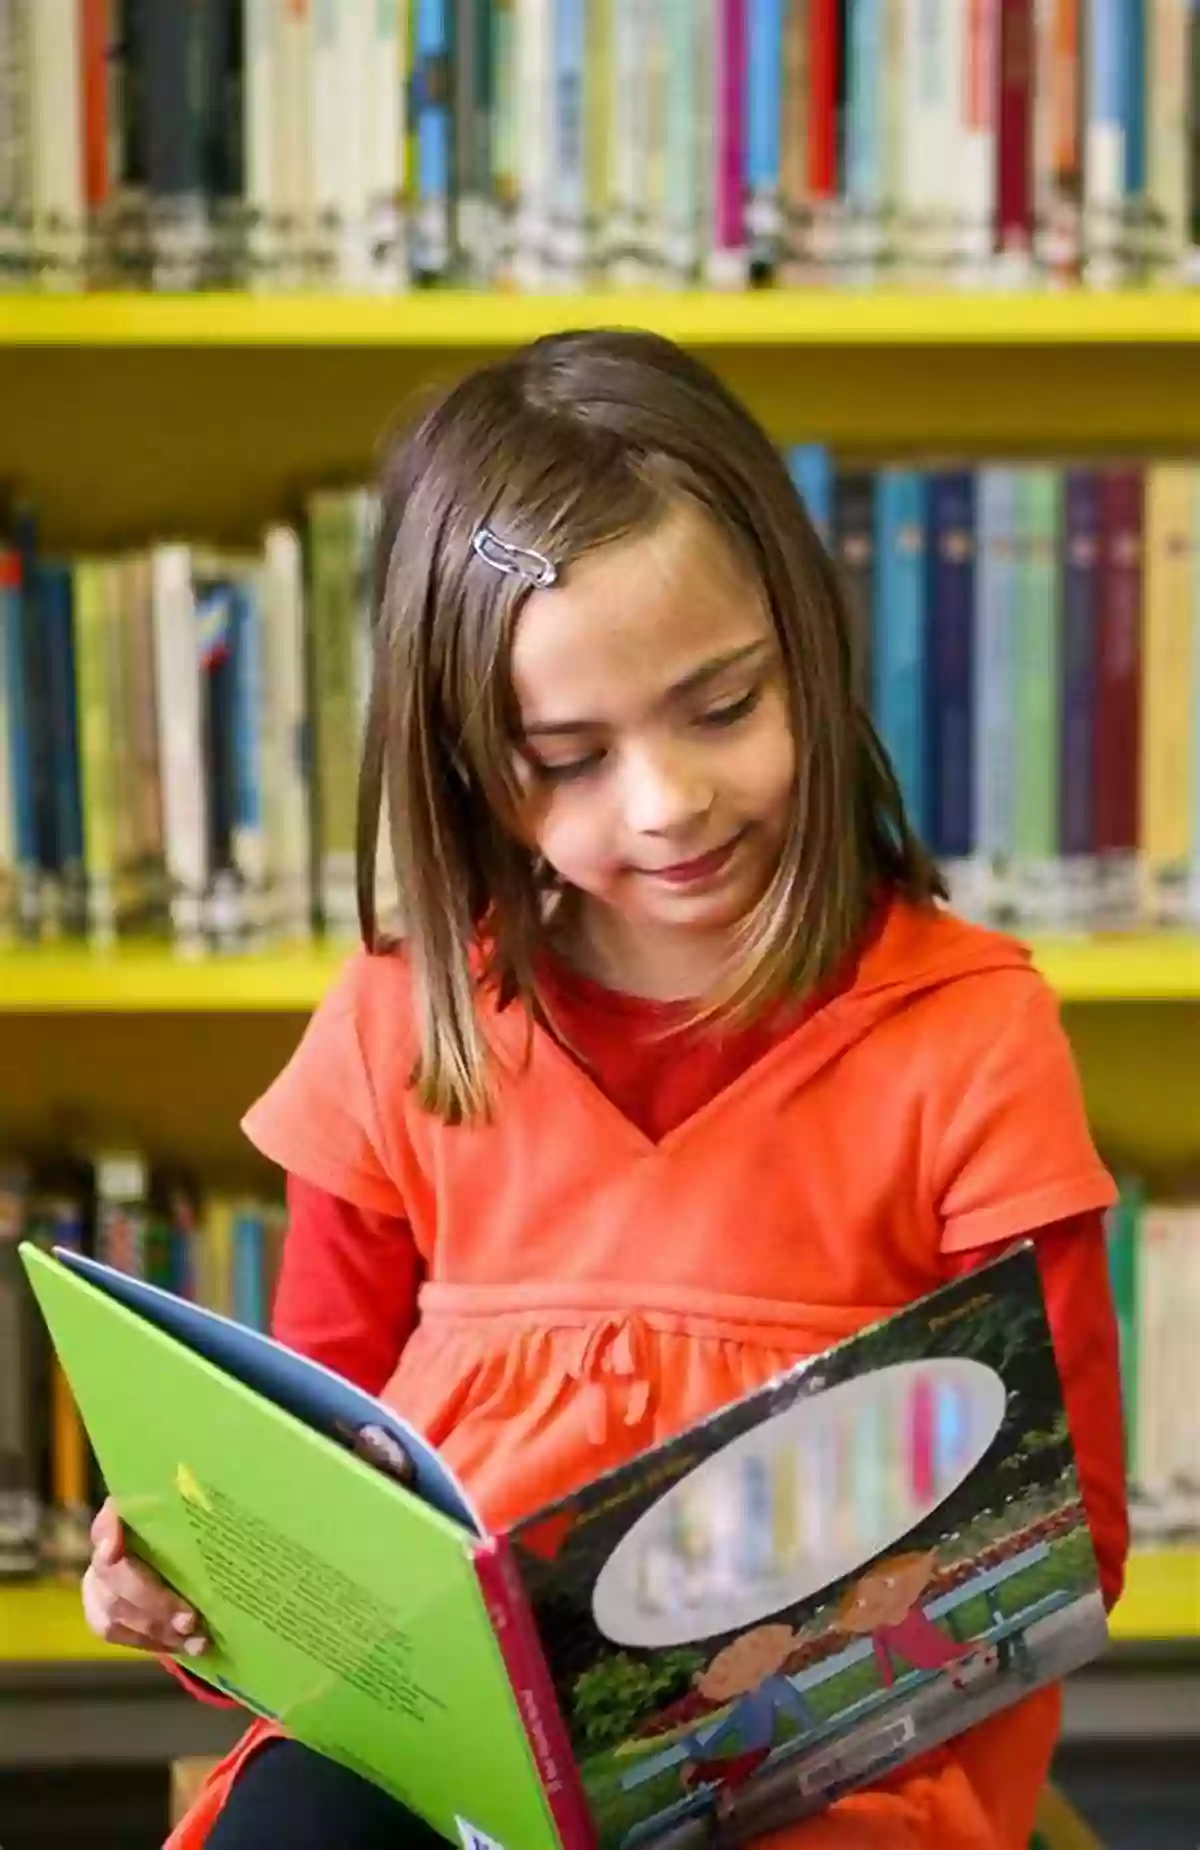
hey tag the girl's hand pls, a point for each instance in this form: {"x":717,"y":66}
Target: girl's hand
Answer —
{"x":125,"y":1602}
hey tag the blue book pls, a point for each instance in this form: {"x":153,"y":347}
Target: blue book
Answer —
{"x":55,"y":597}
{"x":23,"y":825}
{"x":764,"y":63}
{"x":864,"y":121}
{"x":1133,"y":97}
{"x":949,"y":663}
{"x":568,"y":173}
{"x":994,"y":723}
{"x":429,"y":107}
{"x":249,"y":1298}
{"x":811,"y":469}
{"x":246,"y":642}
{"x":898,"y":661}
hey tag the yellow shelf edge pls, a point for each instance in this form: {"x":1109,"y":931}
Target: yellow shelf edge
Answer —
{"x":1149,"y":967}
{"x":462,"y":319}
{"x":43,"y":1622}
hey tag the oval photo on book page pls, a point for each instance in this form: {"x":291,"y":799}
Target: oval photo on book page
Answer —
{"x":792,"y":1506}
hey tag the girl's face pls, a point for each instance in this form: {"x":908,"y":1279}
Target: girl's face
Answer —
{"x":657,"y":756}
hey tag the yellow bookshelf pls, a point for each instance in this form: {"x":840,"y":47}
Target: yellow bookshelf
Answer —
{"x":757,"y":318}
{"x":44,"y":1623}
{"x":145,"y":980}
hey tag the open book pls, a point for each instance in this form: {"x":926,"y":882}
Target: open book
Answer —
{"x":872,"y":1552}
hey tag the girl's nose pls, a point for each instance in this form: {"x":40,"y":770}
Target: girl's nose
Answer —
{"x":665,"y":792}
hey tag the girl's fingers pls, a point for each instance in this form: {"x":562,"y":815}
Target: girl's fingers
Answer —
{"x":108,"y":1538}
{"x":155,"y":1632}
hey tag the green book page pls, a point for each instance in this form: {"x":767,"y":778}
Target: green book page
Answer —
{"x":337,"y":1602}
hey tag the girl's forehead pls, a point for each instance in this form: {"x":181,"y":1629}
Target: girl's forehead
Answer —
{"x":632,"y":619}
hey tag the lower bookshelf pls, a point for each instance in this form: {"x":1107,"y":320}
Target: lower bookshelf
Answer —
{"x":66,"y":1697}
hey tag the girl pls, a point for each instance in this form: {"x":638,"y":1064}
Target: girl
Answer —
{"x":681,"y":1070}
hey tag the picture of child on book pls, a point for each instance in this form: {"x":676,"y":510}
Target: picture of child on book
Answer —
{"x":749,"y":1673}
{"x":884,"y":1604}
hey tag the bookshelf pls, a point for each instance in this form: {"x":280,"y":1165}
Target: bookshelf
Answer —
{"x":130,"y":416}
{"x":148,"y":980}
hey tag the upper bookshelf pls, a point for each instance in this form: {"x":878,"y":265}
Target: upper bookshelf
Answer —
{"x":138,"y":980}
{"x":451,"y":319}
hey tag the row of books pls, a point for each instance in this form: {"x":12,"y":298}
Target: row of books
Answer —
{"x":223,"y":1250}
{"x":548,"y":144}
{"x":179,"y":728}
{"x":214,"y":1248}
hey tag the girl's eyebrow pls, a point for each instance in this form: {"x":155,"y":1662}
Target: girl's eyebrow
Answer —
{"x":698,"y":677}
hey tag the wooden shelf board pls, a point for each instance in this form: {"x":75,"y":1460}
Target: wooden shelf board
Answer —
{"x":460,"y":319}
{"x":43,"y":1623}
{"x":146,"y":980}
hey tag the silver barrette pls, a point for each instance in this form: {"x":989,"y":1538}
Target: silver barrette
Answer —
{"x":516,"y":561}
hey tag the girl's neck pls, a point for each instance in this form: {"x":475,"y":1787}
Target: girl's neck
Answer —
{"x":637,"y":960}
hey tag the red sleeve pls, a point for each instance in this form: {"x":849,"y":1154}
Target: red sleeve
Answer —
{"x":346,"y":1296}
{"x":1073,"y":1260}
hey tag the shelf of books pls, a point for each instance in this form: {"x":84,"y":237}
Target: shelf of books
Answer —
{"x":133,"y":979}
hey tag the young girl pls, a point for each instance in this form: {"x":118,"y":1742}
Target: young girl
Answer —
{"x":680,"y":1071}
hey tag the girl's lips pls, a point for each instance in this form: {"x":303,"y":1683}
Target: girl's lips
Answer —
{"x":686,"y":873}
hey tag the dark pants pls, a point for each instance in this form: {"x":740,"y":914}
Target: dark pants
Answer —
{"x":288,"y":1798}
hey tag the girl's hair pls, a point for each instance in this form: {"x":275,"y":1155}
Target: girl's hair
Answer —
{"x":571,"y":442}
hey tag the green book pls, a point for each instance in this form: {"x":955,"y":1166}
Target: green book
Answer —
{"x":871,"y":1553}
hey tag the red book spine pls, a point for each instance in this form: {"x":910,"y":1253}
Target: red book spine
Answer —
{"x":1014,"y":128}
{"x":95,"y":23}
{"x":1117,"y":736}
{"x":533,"y":1686}
{"x":822,"y":88}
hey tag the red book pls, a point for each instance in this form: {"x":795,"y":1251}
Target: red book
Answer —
{"x":95,"y":20}
{"x":1014,"y":129}
{"x":822,"y":110}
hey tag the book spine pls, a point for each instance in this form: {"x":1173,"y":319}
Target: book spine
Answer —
{"x":1135,"y":226}
{"x":258,"y":153}
{"x":334,"y":704}
{"x":92,"y":657}
{"x":504,"y":141}
{"x":977,"y":187}
{"x":899,"y":626}
{"x":14,"y":846}
{"x":474,"y":225}
{"x":854,"y":546}
{"x":21,"y":1512}
{"x":1077,"y":721}
{"x":433,"y":222}
{"x":382,"y":86}
{"x":174,"y":47}
{"x":864,"y":171}
{"x":1166,"y":692}
{"x":1062,"y":224}
{"x":533,"y":1688}
{"x":824,"y":69}
{"x":1014,"y":139}
{"x":58,"y":615}
{"x":1116,"y":769}
{"x":180,"y":741}
{"x":334,"y":115}
{"x":1192,"y":255}
{"x":287,"y":741}
{"x":994,"y":734}
{"x":1193,"y":893}
{"x":626,"y":252}
{"x":793,"y":142}
{"x":1167,"y":139}
{"x":15,"y":147}
{"x":42,"y":900}
{"x":811,"y":471}
{"x":131,"y":586}
{"x":56,"y":114}
{"x":95,"y":26}
{"x":249,"y":832}
{"x":223,"y":167}
{"x":764,"y":63}
{"x":1037,"y":683}
{"x":292,"y":161}
{"x":1104,"y":150}
{"x":654,"y":130}
{"x":532,"y":103}
{"x":567,"y":247}
{"x":949,"y":617}
{"x":727,"y":255}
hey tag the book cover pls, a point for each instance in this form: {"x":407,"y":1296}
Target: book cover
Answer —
{"x":872,"y":1552}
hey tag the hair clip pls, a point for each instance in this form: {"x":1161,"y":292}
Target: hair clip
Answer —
{"x":516,"y":561}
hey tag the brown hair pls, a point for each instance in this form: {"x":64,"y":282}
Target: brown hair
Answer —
{"x":566,"y":444}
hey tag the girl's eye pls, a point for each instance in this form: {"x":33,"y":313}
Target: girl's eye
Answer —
{"x":570,"y":772}
{"x":730,"y":714}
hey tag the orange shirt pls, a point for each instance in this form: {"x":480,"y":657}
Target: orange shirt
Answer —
{"x":587,"y":1289}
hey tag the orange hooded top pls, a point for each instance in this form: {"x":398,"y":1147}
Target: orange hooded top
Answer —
{"x":588,"y":1291}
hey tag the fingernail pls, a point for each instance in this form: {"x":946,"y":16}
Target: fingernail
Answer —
{"x":195,"y":1645}
{"x":106,"y":1552}
{"x":183,"y":1621}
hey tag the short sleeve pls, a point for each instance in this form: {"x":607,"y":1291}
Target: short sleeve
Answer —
{"x":320,"y":1119}
{"x":1016,"y":1152}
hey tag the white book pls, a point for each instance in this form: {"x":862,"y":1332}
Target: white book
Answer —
{"x":180,"y":740}
{"x":59,"y":214}
{"x":976,"y":188}
{"x":259,"y":148}
{"x":384,"y":50}
{"x":933,"y":75}
{"x":288,"y":844}
{"x":293,"y":157}
{"x":339,"y":143}
{"x":532,"y":113}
